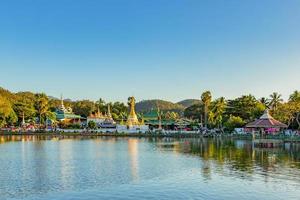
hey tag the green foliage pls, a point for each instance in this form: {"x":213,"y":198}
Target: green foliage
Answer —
{"x":289,"y":113}
{"x":245,"y":107}
{"x":217,"y":111}
{"x":295,"y":97}
{"x":73,"y":126}
{"x":194,"y":112}
{"x":206,"y":99}
{"x":7,"y":114}
{"x":84,"y":107}
{"x":25,"y":104}
{"x":234,"y":122}
{"x":276,"y":100}
{"x":42,"y":107}
{"x":92,"y":125}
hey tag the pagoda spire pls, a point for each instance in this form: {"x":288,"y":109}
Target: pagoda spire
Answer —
{"x":132,"y":119}
{"x":61,"y":100}
{"x":108,"y":111}
{"x":23,"y":119}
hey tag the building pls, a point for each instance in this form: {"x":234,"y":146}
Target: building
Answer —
{"x":66,"y":114}
{"x":133,"y":125}
{"x":102,"y":121}
{"x":155,"y":120}
{"x":266,"y":124}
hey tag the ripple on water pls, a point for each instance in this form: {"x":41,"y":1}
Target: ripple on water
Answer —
{"x":131,"y":168}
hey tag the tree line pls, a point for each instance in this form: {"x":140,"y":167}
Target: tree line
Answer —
{"x":211,"y":113}
{"x":38,"y":107}
{"x":232,"y":113}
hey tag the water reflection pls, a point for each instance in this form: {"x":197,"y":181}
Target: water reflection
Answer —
{"x":133,"y":154}
{"x":40,"y":165}
{"x":240,"y":157}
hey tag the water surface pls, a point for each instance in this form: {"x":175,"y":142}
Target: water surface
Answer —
{"x":33,"y":167}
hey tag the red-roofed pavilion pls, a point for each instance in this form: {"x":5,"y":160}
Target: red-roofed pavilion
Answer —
{"x":266,"y":123}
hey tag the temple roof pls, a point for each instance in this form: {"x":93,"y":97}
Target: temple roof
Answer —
{"x":266,"y":121}
{"x":62,"y":116}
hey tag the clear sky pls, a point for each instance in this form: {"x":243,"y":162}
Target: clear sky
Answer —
{"x":167,"y":49}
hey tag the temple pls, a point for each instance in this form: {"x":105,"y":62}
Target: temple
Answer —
{"x":102,"y":121}
{"x":133,"y":125}
{"x":66,"y":114}
{"x":132,"y":119}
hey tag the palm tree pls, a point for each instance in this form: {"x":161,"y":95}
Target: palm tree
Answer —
{"x":206,"y":99}
{"x":42,"y":107}
{"x":265,"y":101}
{"x":295,"y":96}
{"x":275,"y":100}
{"x":216,"y":113}
{"x":219,"y":111}
{"x":100,"y":104}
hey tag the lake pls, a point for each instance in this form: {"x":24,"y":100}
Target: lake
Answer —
{"x":40,"y":167}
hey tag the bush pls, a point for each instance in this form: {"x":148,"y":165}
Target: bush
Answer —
{"x":92,"y":125}
{"x":234,"y":122}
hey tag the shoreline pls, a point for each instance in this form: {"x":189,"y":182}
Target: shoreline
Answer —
{"x":148,"y":135}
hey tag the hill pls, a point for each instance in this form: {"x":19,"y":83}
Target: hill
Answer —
{"x":189,"y":102}
{"x":148,"y":105}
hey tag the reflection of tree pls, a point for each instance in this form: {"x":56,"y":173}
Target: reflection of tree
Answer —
{"x":238,"y":155}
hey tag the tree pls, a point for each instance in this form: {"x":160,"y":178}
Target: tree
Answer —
{"x":118,"y":109}
{"x":217,"y":111}
{"x":295,"y":96}
{"x":245,"y":107}
{"x":25,"y":105}
{"x":101,"y":104}
{"x":84,"y":107}
{"x":194,"y":112}
{"x":265,"y":101}
{"x":206,"y":99}
{"x":234,"y":122}
{"x":7,"y":114}
{"x":42,"y":107}
{"x":286,"y":113}
{"x":92,"y":125}
{"x":276,"y":100}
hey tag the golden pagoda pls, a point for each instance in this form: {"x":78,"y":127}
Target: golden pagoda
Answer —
{"x":97,"y":115}
{"x":132,"y":119}
{"x":108,"y":115}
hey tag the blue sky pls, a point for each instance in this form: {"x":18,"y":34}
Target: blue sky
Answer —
{"x":167,"y":49}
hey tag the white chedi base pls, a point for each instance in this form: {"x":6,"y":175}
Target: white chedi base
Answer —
{"x":132,"y":129}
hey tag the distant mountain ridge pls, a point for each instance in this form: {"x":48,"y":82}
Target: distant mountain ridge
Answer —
{"x":148,"y":105}
{"x":188,"y":102}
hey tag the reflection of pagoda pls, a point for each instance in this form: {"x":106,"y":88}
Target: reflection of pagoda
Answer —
{"x":66,"y":114}
{"x":132,"y":119}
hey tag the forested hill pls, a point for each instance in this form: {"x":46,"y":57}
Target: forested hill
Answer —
{"x":147,"y":105}
{"x":189,"y":102}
